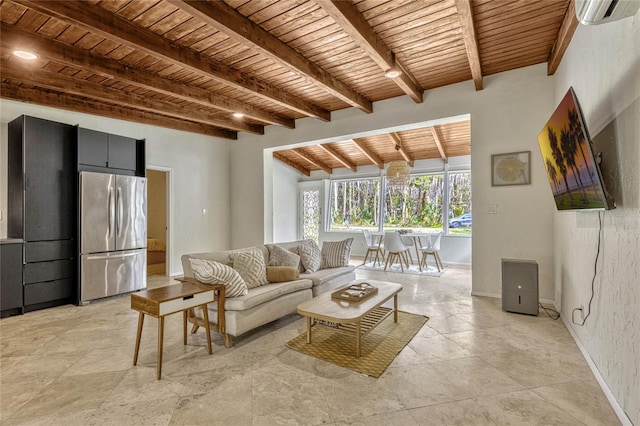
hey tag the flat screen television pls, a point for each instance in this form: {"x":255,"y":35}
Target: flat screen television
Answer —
{"x":568,"y":157}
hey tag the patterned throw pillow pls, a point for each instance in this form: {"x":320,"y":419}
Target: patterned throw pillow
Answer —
{"x":251,"y":267}
{"x":210,"y":272}
{"x":336,"y":253}
{"x":300,"y":265}
{"x":310,"y":256}
{"x":282,"y":257}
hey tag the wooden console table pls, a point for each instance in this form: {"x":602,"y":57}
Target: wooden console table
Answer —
{"x":163,"y":301}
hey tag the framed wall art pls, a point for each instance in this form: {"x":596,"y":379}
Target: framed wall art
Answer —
{"x":513,"y":168}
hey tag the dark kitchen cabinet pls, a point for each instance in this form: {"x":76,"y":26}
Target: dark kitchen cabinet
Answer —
{"x":93,"y":147}
{"x":104,"y":152}
{"x":10,"y":278}
{"x":42,"y":204}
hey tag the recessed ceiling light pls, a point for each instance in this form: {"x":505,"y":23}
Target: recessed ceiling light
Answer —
{"x":24,"y":54}
{"x":392,"y":73}
{"x":238,"y":114}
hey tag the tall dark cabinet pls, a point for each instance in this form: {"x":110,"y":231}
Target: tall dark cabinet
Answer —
{"x":42,"y":208}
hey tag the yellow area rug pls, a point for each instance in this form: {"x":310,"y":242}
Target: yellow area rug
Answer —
{"x":379,"y":347}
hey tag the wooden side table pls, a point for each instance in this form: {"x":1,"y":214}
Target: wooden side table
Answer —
{"x":163,"y":301}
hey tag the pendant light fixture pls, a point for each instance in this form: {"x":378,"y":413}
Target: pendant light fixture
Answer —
{"x":398,"y":174}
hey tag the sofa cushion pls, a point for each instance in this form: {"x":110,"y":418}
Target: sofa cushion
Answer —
{"x":280,"y":274}
{"x":335,"y":253}
{"x":325,"y":275}
{"x":265,"y":293}
{"x":310,"y":256}
{"x":211,"y":272}
{"x":279,"y":256}
{"x":251,"y":267}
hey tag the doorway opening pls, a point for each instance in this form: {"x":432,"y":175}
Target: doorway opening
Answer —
{"x":158,"y":192}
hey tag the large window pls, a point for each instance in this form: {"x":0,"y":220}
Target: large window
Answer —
{"x":354,"y":204}
{"x":420,"y":206}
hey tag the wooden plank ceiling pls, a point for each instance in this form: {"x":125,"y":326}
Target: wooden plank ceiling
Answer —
{"x":190,"y":65}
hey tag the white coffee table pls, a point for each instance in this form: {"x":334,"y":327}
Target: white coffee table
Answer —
{"x":354,"y":318}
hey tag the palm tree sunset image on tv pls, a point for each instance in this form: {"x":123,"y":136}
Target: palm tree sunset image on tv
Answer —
{"x":568,"y":158}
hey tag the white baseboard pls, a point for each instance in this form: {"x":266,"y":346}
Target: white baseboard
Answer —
{"x":499,"y":296}
{"x":483,"y":294}
{"x":596,"y":373}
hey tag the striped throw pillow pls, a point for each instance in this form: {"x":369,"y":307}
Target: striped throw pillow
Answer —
{"x":336,"y":253}
{"x":210,"y":272}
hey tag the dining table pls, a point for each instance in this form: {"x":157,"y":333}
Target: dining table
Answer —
{"x":415,"y":236}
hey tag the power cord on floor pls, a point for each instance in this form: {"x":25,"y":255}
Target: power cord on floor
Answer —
{"x":555,"y":313}
{"x":593,"y":280}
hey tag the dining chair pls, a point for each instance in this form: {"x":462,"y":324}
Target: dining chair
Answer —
{"x":374,"y":245}
{"x":409,"y":244}
{"x":432,"y":249}
{"x":396,"y":250}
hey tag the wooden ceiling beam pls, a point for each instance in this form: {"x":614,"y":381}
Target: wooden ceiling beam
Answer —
{"x":339,"y":157}
{"x":225,"y":19}
{"x":99,"y":21}
{"x":470,"y":40}
{"x":565,"y":34}
{"x":85,"y":88}
{"x":437,"y":138}
{"x":89,"y":106}
{"x":312,"y":159}
{"x":291,"y":164}
{"x":397,"y":141}
{"x":356,"y":26}
{"x":112,"y":69}
{"x":369,"y":154}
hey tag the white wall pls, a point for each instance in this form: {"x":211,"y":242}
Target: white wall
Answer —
{"x":603,"y":66}
{"x":200,"y":170}
{"x":285,"y":203}
{"x":506,"y":116}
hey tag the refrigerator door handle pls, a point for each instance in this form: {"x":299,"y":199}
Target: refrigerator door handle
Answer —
{"x":120,"y":212}
{"x":111,"y":212}
{"x":102,"y":257}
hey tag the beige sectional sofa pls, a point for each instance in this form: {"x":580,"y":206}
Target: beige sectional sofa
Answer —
{"x":271,"y":301}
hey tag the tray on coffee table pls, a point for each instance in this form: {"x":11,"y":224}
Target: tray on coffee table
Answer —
{"x":355,"y":292}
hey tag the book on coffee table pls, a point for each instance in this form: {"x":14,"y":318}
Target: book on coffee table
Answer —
{"x":354,"y":292}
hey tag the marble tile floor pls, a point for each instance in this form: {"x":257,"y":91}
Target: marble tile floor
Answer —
{"x":472,"y":364}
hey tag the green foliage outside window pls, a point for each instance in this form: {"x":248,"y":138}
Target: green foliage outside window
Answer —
{"x":354,"y":203}
{"x":459,"y":199}
{"x":417,"y":205}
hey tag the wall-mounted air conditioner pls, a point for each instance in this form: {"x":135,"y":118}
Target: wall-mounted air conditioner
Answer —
{"x":592,"y":12}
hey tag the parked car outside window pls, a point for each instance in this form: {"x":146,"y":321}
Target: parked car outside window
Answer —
{"x":463,"y":220}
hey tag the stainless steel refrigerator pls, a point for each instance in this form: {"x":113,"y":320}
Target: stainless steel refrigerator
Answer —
{"x":113,"y":234}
